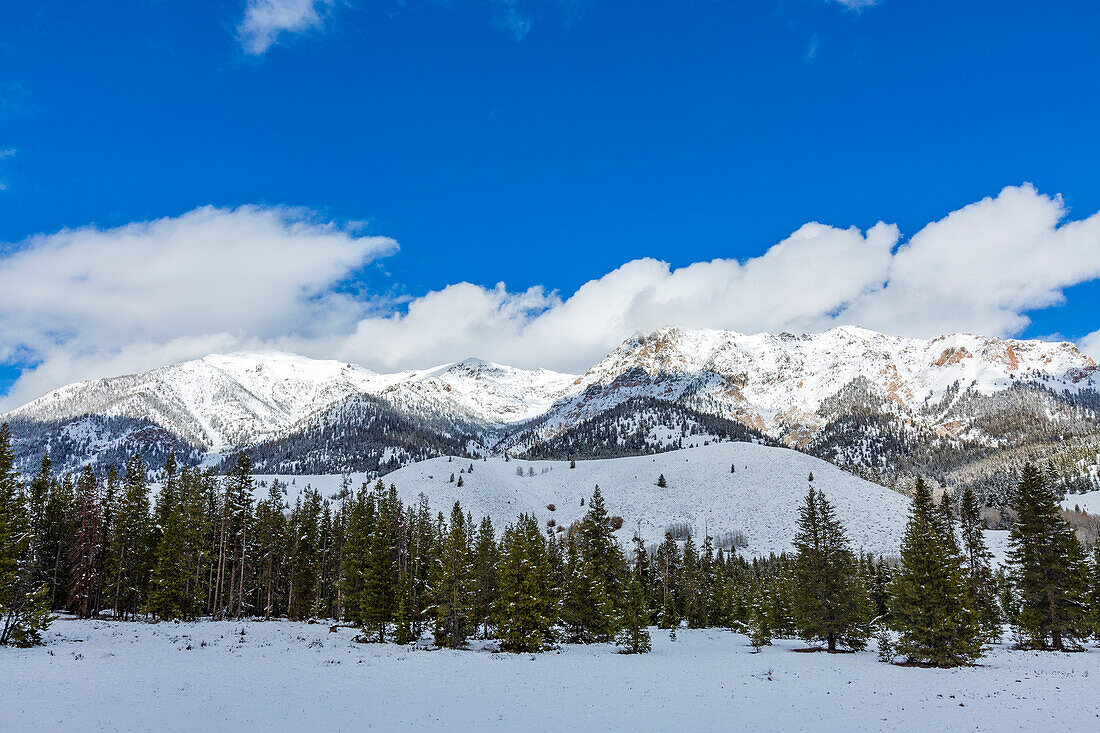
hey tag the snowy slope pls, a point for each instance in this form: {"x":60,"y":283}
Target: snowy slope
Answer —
{"x":1088,"y":502}
{"x":761,"y":499}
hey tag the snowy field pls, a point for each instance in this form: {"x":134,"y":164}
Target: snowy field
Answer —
{"x":100,"y":675}
{"x":761,"y":499}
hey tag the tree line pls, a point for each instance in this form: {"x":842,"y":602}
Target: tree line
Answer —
{"x":205,"y":547}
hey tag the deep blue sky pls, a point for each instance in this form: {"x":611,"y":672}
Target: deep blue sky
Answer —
{"x":614,"y":129}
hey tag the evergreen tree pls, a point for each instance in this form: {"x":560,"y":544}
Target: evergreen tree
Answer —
{"x":1094,"y":591}
{"x":304,"y":560}
{"x":485,"y":561}
{"x":356,"y":545}
{"x":24,"y":604}
{"x":86,"y":548}
{"x":667,"y":569}
{"x":525,"y":604}
{"x":380,"y":591}
{"x":830,"y":600}
{"x":931,"y":605}
{"x":601,"y":571}
{"x":131,"y":542}
{"x":451,"y":582}
{"x":633,"y":636}
{"x":270,"y":543}
{"x":760,"y":632}
{"x":1048,"y":567}
{"x":176,"y":588}
{"x":979,"y":563}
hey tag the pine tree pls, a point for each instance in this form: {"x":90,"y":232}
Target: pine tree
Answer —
{"x":978,"y":565}
{"x":1048,"y":567}
{"x":931,"y":605}
{"x":485,"y":561}
{"x":85,"y":552}
{"x":232,"y":570}
{"x":451,"y":582}
{"x":270,"y":542}
{"x":667,"y":569}
{"x":380,"y":592}
{"x":356,"y":547}
{"x":304,"y":555}
{"x":176,"y":588}
{"x":131,"y":548}
{"x":760,"y":632}
{"x":524,"y":609}
{"x":661,"y":481}
{"x":830,"y":599}
{"x":24,"y":604}
{"x":1094,"y":592}
{"x":633,"y":636}
{"x":601,"y":571}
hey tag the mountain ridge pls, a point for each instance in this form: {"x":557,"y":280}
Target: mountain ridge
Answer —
{"x":864,"y":400}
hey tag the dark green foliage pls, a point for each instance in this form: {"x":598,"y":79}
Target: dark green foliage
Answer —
{"x":931,"y":606}
{"x":182,"y":555}
{"x":451,"y":589}
{"x":130,"y":542}
{"x":485,"y":563}
{"x":24,"y":606}
{"x":830,"y":599}
{"x":1094,"y":592}
{"x":1049,"y":571}
{"x":85,"y":551}
{"x":598,"y":575}
{"x":979,"y":569}
{"x":633,"y":634}
{"x":525,"y":607}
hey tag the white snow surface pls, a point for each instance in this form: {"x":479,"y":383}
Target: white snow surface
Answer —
{"x":1088,"y":502}
{"x":768,"y":381}
{"x":761,"y":499}
{"x":285,"y":676}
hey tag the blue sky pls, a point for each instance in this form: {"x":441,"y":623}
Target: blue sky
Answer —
{"x":537,"y":143}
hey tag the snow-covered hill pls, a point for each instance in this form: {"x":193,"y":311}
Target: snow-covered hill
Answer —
{"x":760,"y":498}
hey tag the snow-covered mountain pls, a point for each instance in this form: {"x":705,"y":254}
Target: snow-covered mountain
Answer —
{"x":889,"y":406}
{"x":224,"y":401}
{"x":779,"y":383}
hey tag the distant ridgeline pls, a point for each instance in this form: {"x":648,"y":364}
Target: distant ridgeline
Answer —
{"x":959,"y":410}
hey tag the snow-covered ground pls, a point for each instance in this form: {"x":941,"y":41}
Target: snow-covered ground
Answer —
{"x":100,"y":675}
{"x":761,"y":499}
{"x":1087,"y":502}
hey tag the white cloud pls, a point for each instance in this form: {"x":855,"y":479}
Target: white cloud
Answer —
{"x":1090,"y":345}
{"x":265,"y":20}
{"x":92,"y":302}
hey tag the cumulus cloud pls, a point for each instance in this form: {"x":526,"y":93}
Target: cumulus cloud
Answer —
{"x":265,"y":20}
{"x":91,"y":302}
{"x":95,"y":302}
{"x":1090,"y":344}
